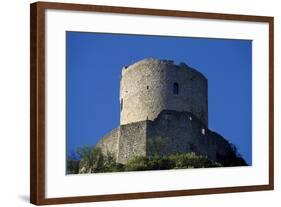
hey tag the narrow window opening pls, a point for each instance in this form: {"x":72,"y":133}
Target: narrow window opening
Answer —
{"x":147,"y":87}
{"x":121,"y":104}
{"x":203,"y":131}
{"x":176,"y":88}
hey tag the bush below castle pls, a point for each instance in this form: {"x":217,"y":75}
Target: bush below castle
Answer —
{"x":92,"y":160}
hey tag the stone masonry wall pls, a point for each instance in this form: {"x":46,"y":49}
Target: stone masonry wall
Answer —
{"x":171,"y":132}
{"x":181,"y":132}
{"x":109,"y":142}
{"x":174,"y":132}
{"x":132,"y":141}
{"x":157,"y":120}
{"x":147,"y":88}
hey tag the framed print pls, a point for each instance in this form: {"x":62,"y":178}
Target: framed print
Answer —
{"x":130,"y":103}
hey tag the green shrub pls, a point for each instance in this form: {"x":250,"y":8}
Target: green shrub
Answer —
{"x":92,"y":160}
{"x":72,"y":163}
{"x":137,"y":163}
{"x":72,"y":166}
{"x":176,"y":161}
{"x":110,"y":164}
{"x":161,"y":163}
{"x":191,"y":160}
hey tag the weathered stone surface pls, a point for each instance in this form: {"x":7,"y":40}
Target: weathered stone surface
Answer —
{"x":132,"y":141}
{"x":109,"y":142}
{"x":156,"y":120}
{"x":147,"y":88}
{"x":171,"y":132}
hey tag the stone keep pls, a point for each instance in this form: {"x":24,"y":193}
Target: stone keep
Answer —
{"x":164,"y":110}
{"x":150,"y":86}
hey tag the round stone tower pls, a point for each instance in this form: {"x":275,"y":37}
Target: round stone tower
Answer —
{"x":149,"y":86}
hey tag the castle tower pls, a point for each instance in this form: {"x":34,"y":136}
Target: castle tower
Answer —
{"x":151,"y":85}
{"x":174,"y":98}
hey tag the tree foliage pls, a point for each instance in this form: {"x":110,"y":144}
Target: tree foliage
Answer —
{"x":72,"y":163}
{"x":176,"y":161}
{"x":92,"y":160}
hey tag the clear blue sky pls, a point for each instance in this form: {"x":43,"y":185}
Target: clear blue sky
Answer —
{"x":94,"y":63}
